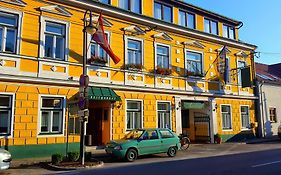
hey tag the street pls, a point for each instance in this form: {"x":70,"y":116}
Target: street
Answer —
{"x":226,"y":158}
{"x":260,"y":162}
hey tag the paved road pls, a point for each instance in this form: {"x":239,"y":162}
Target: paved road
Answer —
{"x":258,"y":163}
{"x":199,"y":159}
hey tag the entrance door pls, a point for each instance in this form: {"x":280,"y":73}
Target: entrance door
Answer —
{"x":94,"y":126}
{"x":202,"y":127}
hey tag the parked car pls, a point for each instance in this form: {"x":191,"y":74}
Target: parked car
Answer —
{"x":279,"y":131}
{"x":5,"y":159}
{"x":144,"y":141}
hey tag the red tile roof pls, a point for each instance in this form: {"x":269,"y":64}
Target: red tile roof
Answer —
{"x":269,"y":73}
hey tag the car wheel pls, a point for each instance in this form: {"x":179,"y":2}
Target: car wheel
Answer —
{"x":172,"y":151}
{"x":131,"y":155}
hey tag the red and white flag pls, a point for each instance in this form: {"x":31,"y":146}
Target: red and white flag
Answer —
{"x":100,"y":38}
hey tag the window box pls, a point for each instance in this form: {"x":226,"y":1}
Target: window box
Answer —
{"x":137,"y":67}
{"x":163,"y":71}
{"x":97,"y":60}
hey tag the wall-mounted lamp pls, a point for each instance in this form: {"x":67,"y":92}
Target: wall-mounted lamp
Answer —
{"x":179,"y":105}
{"x":216,"y":107}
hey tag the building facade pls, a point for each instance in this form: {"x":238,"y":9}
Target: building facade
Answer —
{"x":269,"y":84}
{"x":169,"y":74}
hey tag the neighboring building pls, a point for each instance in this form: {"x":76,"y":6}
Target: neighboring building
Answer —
{"x":268,"y":89}
{"x":167,"y":76}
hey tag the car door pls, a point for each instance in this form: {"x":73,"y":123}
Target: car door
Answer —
{"x":167,"y":139}
{"x":149,"y":143}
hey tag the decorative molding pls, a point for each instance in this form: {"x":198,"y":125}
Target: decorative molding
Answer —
{"x":104,"y":20}
{"x":241,"y":54}
{"x":163,"y":35}
{"x":194,"y":44}
{"x":2,"y":62}
{"x":56,"y":9}
{"x":226,"y":48}
{"x":134,"y":30}
{"x":15,"y":2}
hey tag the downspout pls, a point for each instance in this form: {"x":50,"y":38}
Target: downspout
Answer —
{"x":262,"y":107}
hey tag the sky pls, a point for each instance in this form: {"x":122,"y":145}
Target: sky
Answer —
{"x":262,"y":23}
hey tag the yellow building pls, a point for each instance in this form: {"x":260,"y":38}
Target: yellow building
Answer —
{"x":167,"y":77}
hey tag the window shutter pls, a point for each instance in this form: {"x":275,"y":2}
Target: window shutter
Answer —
{"x":246,"y":77}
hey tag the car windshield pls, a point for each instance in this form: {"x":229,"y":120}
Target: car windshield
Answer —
{"x":133,"y":135}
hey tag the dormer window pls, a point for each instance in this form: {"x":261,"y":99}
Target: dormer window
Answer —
{"x":105,"y":1}
{"x":162,"y":12}
{"x":211,"y":26}
{"x":186,"y":19}
{"x":131,"y":5}
{"x":228,"y":32}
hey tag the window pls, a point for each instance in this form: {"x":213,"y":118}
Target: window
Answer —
{"x":211,"y":26}
{"x":272,"y":115}
{"x":228,"y":32}
{"x":163,"y":112}
{"x":166,"y":134}
{"x":134,"y":115}
{"x":163,"y":56}
{"x":5,"y":115}
{"x":97,"y":54}
{"x":226,"y":117}
{"x":245,"y":119}
{"x":241,"y":64}
{"x":134,"y":51}
{"x":51,"y":118}
{"x":105,"y":1}
{"x":186,"y":19}
{"x":8,"y":32}
{"x":73,"y":119}
{"x":185,"y":118}
{"x":55,"y":40}
{"x":194,"y":63}
{"x":131,"y":5}
{"x":162,"y":12}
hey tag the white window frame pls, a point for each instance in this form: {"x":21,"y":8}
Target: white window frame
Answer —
{"x":89,"y":40}
{"x":228,"y":31}
{"x":231,"y":123}
{"x":170,"y":116}
{"x":43,"y":21}
{"x":39,"y":134}
{"x":18,"y":30}
{"x":170,"y":54}
{"x":127,"y":38}
{"x":242,"y":127}
{"x":202,"y":61}
{"x":142,"y":113}
{"x":186,"y":20}
{"x":11,"y":127}
{"x":239,"y":80}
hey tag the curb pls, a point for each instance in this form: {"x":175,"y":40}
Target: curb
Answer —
{"x":263,"y":141}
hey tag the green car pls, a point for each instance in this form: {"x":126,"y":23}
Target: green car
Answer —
{"x":144,"y":141}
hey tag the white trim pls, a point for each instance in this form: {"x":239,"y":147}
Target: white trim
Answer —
{"x":13,"y":103}
{"x":248,"y":106}
{"x":230,"y":117}
{"x":19,"y":26}
{"x":59,"y":10}
{"x":155,"y":53}
{"x":126,"y":38}
{"x":170,"y":111}
{"x":43,"y":21}
{"x":142,"y":112}
{"x":53,"y":74}
{"x":39,"y":115}
{"x":202,"y":58}
{"x":214,"y":20}
{"x":16,"y":2}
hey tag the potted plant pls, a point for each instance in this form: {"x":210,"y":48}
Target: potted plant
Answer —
{"x":134,"y":67}
{"x":97,"y":60}
{"x":163,"y":71}
{"x":218,"y":138}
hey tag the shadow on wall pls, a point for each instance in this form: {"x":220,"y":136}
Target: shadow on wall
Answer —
{"x":268,"y":129}
{"x":240,"y":137}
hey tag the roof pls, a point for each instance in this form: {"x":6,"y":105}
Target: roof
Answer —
{"x":269,"y":73}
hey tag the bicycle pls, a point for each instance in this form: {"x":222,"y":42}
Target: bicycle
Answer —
{"x":185,"y":141}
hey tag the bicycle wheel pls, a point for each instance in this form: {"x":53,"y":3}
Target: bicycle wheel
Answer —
{"x":185,"y":143}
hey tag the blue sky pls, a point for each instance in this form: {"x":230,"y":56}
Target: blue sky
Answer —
{"x":262,"y":23}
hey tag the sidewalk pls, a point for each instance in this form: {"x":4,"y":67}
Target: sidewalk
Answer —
{"x":263,"y":140}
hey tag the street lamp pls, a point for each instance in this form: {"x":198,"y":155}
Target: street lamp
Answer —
{"x":84,"y":81}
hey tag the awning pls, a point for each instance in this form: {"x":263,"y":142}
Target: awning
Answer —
{"x":192,"y":105}
{"x":98,"y":93}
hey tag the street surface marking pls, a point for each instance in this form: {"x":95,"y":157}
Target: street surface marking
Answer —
{"x":265,"y":164}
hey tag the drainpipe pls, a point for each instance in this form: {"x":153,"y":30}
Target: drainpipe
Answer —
{"x":262,"y":107}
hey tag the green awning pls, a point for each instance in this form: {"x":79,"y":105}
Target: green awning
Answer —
{"x":98,"y":93}
{"x":193,"y":105}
